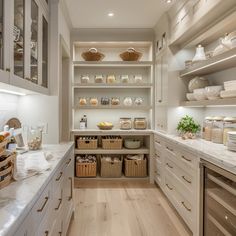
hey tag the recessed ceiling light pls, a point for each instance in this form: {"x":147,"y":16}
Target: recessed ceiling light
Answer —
{"x":168,"y":1}
{"x":110,"y":14}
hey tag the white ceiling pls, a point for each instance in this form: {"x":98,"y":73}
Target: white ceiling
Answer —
{"x":127,"y":13}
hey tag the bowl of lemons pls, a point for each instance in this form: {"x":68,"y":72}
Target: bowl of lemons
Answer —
{"x":105,"y":125}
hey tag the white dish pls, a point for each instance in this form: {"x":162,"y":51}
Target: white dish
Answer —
{"x":228,"y":94}
{"x":213,"y":92}
{"x":196,"y":83}
{"x":200,"y":94}
{"x":190,"y":97}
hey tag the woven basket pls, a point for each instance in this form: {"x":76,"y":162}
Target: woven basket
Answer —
{"x":86,"y":169}
{"x":7,"y":170}
{"x":92,"y":55}
{"x":112,"y":143}
{"x":87,"y":143}
{"x":130,"y":55}
{"x":135,"y":168}
{"x":110,"y":169}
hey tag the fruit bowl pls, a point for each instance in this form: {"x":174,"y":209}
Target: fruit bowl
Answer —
{"x":105,"y":125}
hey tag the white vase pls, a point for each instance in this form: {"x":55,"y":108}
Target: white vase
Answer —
{"x":200,"y":54}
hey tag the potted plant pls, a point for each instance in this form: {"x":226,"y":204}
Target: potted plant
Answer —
{"x":188,"y":128}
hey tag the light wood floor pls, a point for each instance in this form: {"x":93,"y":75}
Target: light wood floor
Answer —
{"x":119,"y":208}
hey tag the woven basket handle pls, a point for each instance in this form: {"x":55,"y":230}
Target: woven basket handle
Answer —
{"x":130,"y":50}
{"x":93,"y":50}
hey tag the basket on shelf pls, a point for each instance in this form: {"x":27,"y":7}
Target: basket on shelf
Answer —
{"x":92,"y":55}
{"x":112,"y":142}
{"x":111,"y":166}
{"x":87,"y":142}
{"x":86,"y":166}
{"x":131,"y":55}
{"x":135,"y":168}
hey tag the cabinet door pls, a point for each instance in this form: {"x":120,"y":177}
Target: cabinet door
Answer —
{"x":4,"y":56}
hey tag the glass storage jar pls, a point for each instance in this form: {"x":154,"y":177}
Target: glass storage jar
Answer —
{"x":93,"y":101}
{"x":140,"y":123}
{"x":111,"y":79}
{"x":128,"y":101}
{"x":98,"y":79}
{"x":84,"y":79}
{"x":34,"y":138}
{"x":229,"y":125}
{"x":207,"y":128}
{"x":125,"y":123}
{"x":115,"y":101}
{"x":105,"y":101}
{"x":138,"y":79}
{"x":217,"y":129}
{"x":124,"y":79}
{"x":82,"y":101}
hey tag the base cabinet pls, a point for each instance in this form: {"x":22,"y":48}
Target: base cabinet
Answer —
{"x":177,"y":174}
{"x":51,"y":214}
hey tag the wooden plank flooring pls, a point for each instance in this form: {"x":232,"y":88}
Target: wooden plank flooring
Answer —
{"x":123,"y":208}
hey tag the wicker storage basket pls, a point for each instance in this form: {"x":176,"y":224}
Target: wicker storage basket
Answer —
{"x":111,"y":169}
{"x":135,"y":168}
{"x":87,"y":143}
{"x":92,"y":55}
{"x":130,"y":55}
{"x":86,"y":169}
{"x":6,"y":170}
{"x":111,"y":143}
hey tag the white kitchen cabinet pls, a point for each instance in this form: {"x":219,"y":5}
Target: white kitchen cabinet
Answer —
{"x":53,"y":210}
{"x":178,"y":177}
{"x":24,"y":49}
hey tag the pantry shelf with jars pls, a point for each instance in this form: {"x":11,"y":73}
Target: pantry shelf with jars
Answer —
{"x":112,"y":105}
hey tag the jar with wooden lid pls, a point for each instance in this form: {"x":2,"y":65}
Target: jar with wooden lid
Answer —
{"x":207,"y":128}
{"x":140,"y":123}
{"x":217,"y":129}
{"x":229,"y":125}
{"x":125,"y":123}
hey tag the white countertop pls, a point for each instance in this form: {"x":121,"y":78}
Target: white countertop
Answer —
{"x":17,"y":199}
{"x":215,"y":153}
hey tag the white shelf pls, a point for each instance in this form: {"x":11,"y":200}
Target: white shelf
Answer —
{"x":113,"y":151}
{"x":112,"y":86}
{"x":220,"y":62}
{"x":138,"y":108}
{"x":205,"y":103}
{"x":111,"y":132}
{"x":113,"y":63}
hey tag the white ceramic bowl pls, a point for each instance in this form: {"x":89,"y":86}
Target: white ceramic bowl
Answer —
{"x":213,"y":92}
{"x":190,"y":96}
{"x":196,"y":83}
{"x":200,"y":94}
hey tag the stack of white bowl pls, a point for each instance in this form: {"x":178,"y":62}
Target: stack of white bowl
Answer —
{"x":231,"y":141}
{"x":230,"y":89}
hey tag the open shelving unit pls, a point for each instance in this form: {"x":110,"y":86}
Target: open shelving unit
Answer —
{"x":113,"y":65}
{"x":217,"y":63}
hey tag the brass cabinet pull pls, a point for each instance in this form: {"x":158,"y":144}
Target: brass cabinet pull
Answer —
{"x":71,"y":189}
{"x":157,"y":156}
{"x":68,"y":162}
{"x":60,"y":201}
{"x":167,"y":185}
{"x":59,"y":177}
{"x":186,"y":159}
{"x":8,"y":70}
{"x":44,"y":204}
{"x":46,"y":233}
{"x":170,"y":149}
{"x":188,"y":181}
{"x":157,"y":141}
{"x":188,"y":209}
{"x":169,"y":165}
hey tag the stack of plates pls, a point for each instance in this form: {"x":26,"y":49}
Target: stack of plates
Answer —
{"x":231,"y":141}
{"x":230,"y":89}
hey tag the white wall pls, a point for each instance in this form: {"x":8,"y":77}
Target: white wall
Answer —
{"x":8,"y":107}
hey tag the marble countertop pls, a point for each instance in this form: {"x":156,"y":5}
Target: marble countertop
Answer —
{"x":17,"y":199}
{"x":215,"y":153}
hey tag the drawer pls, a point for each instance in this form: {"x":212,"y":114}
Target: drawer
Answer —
{"x":188,"y":159}
{"x":58,"y":179}
{"x":157,"y":154}
{"x":46,"y":227}
{"x":42,"y":206}
{"x":57,"y":202}
{"x":182,"y":205}
{"x":184,"y":177}
{"x":170,"y":149}
{"x":157,"y":141}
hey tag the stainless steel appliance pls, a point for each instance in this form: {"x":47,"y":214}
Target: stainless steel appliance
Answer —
{"x":218,"y":201}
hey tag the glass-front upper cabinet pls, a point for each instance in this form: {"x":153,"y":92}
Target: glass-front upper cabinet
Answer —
{"x":45,"y":53}
{"x":19,"y":37}
{"x":1,"y":35}
{"x":34,"y":68}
